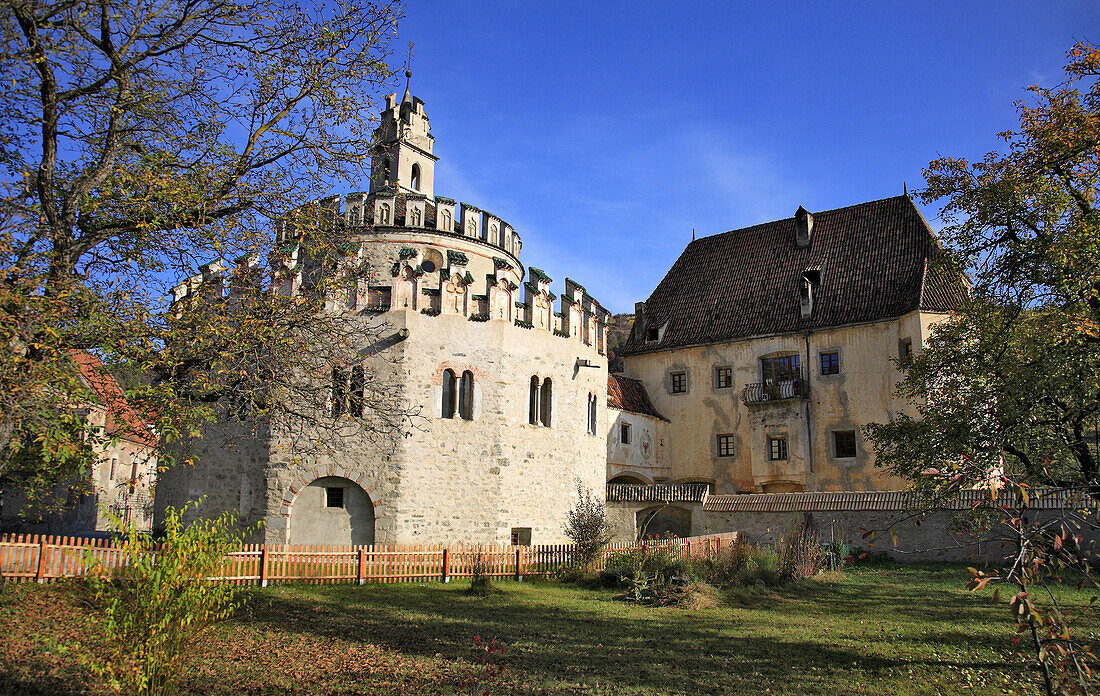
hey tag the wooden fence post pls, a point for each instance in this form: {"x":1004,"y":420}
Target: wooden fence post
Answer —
{"x":446,"y":565}
{"x":40,"y":574}
{"x":519,"y":566}
{"x":263,"y":565}
{"x":362,"y":574}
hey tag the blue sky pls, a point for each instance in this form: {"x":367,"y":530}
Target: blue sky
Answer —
{"x":605,"y":132}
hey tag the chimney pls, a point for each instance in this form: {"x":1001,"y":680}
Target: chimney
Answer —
{"x":804,"y":227}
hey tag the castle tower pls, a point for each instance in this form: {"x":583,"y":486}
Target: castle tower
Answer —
{"x":402,"y":156}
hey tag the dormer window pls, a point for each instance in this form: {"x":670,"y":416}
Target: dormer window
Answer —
{"x":652,"y":333}
{"x":416,"y":177}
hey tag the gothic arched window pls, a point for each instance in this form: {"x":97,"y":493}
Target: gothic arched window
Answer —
{"x":533,"y":402}
{"x":447,"y":224}
{"x":416,"y":177}
{"x":414,"y":218}
{"x":546,"y":402}
{"x":471,"y":228}
{"x":358,"y":387}
{"x":448,"y":410}
{"x":466,"y":396}
{"x":591,"y":414}
{"x":386,"y":172}
{"x":384,"y":214}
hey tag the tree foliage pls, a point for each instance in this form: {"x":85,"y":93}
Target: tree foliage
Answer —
{"x":1015,"y":375}
{"x":1008,"y":390}
{"x":139,"y":138}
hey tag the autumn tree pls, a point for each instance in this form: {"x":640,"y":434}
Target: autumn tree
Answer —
{"x":1009,"y":388}
{"x":140,"y":138}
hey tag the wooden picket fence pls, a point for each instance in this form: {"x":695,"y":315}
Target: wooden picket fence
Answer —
{"x":42,"y":558}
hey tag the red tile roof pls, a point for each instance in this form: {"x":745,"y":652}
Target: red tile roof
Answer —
{"x":122,"y":420}
{"x":630,"y":395}
{"x":873,"y":260}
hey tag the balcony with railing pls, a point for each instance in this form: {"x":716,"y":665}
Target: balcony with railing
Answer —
{"x":776,"y":390}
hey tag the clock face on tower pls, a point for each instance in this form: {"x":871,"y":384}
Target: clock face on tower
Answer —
{"x":647,"y":445}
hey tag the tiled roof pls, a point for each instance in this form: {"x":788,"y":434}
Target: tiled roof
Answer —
{"x":122,"y":420}
{"x":661,"y":493}
{"x":630,"y":395}
{"x":885,"y":501}
{"x":873,"y":260}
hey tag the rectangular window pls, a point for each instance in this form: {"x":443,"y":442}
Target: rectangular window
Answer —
{"x":781,"y":368}
{"x":844,"y":444}
{"x":678,"y":382}
{"x":725,"y":445}
{"x":905,"y":347}
{"x":777,"y":448}
{"x":624,"y":433}
{"x":723,"y":377}
{"x":830,"y":363}
{"x":334,"y":497}
{"x":521,"y":536}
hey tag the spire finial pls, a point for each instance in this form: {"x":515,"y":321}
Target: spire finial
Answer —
{"x":904,"y":189}
{"x":408,"y":73}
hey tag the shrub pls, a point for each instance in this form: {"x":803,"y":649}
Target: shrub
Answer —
{"x":155,"y":606}
{"x":587,"y":527}
{"x":480,"y":583}
{"x":645,"y":571}
{"x":801,"y":554}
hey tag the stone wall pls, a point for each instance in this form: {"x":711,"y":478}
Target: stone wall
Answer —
{"x":954,"y":532}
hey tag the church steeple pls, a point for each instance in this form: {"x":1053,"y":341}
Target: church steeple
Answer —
{"x":402,"y":156}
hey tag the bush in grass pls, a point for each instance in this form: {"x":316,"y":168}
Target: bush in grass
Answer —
{"x":480,"y":583}
{"x":801,"y":554}
{"x":152,"y":609}
{"x":646,"y":571}
{"x":587,"y":527}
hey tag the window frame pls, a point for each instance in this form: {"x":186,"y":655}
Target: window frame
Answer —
{"x":836,"y":444}
{"x":835,"y":353}
{"x":624,"y":433}
{"x":672,"y":382}
{"x":726,"y":442}
{"x":449,"y":394}
{"x":339,"y":497}
{"x":723,"y":371}
{"x":775,"y":449}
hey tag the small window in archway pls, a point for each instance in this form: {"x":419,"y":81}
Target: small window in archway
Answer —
{"x":547,"y":402}
{"x":466,"y":396}
{"x":386,"y":173}
{"x":416,"y":177}
{"x":448,"y":394}
{"x":334,"y":497}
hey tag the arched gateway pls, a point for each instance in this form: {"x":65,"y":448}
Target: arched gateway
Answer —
{"x":332,"y":510}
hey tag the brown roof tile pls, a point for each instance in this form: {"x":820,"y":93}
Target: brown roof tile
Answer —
{"x":630,"y":395}
{"x":872,"y":260}
{"x":122,"y":420}
{"x":885,"y":500}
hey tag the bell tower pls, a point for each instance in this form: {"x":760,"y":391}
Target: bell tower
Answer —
{"x":402,"y":155}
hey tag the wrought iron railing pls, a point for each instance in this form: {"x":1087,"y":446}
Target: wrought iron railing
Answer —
{"x":776,"y":390}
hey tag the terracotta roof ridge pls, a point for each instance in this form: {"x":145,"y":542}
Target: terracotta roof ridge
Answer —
{"x":816,"y":213}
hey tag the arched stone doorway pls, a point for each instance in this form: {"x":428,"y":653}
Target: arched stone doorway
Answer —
{"x":660,"y":521}
{"x":332,"y":510}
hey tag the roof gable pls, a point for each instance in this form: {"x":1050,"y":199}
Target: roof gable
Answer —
{"x":870,"y":262}
{"x":122,"y":420}
{"x":630,"y":395}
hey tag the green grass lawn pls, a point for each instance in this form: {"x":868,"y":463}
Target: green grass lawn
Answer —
{"x":873,"y":630}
